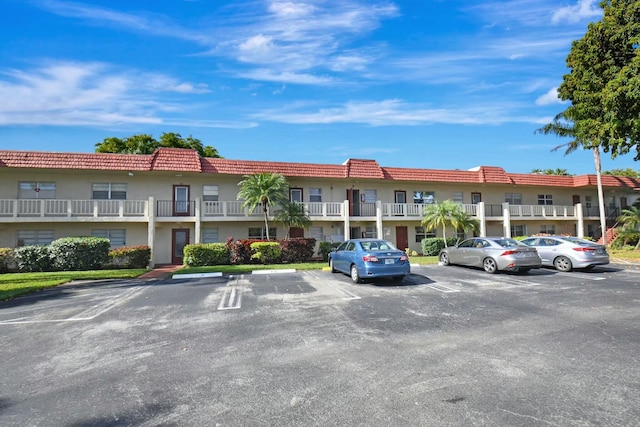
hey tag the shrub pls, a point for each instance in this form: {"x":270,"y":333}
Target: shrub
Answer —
{"x":266,"y":252}
{"x":325,"y":247}
{"x":202,"y":254}
{"x":297,"y":249}
{"x":240,"y":250}
{"x":130,"y":257}
{"x":7,"y":260}
{"x":79,"y":253}
{"x":431,"y":246}
{"x":33,"y":258}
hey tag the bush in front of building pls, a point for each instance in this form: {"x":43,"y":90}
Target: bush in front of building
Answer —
{"x":299,"y":249}
{"x":129,"y":257}
{"x":324,"y":248}
{"x":79,"y":253}
{"x":431,"y":246}
{"x":7,"y":260}
{"x":202,"y":254}
{"x":266,"y":252}
{"x":31,"y":259}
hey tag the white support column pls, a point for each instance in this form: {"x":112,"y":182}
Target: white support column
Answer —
{"x":482,"y":218}
{"x":198,"y":224}
{"x":506,"y":220}
{"x":580,"y":215}
{"x":347,"y":224}
{"x":151,"y":230}
{"x":379,"y":232}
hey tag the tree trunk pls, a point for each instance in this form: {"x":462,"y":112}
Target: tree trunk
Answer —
{"x":444,"y":234}
{"x":266,"y":220}
{"x":603,"y":220}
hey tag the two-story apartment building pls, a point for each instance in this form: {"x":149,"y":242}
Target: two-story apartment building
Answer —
{"x":173,"y":197}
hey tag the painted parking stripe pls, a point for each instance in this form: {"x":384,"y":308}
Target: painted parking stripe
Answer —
{"x":231,"y":298}
{"x":88,"y":314}
{"x":349,"y":295}
{"x":575,"y":274}
{"x":442,"y":288}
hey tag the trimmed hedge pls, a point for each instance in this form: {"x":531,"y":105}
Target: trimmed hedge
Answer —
{"x":324,"y":248}
{"x":297,"y":249}
{"x":79,"y":253}
{"x":7,"y":260}
{"x":201,"y":254}
{"x":130,"y":257}
{"x":266,"y":252}
{"x":432,"y":246}
{"x":30,"y":259}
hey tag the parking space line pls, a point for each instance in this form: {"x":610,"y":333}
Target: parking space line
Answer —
{"x":231,"y":298}
{"x":581,"y":275}
{"x":88,"y":314}
{"x":442,"y":288}
{"x":350,"y":295}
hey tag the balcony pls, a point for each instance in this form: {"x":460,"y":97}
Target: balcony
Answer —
{"x":52,"y":208}
{"x":415,"y":210}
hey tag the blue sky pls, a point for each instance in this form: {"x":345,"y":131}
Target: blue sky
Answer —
{"x":410,"y":83}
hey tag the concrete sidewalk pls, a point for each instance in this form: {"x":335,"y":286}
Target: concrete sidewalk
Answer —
{"x":161,"y":271}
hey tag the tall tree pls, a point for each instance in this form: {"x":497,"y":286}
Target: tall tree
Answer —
{"x":147,"y":144}
{"x":557,"y":171}
{"x":623,"y":172}
{"x":603,"y":87}
{"x":447,"y":214}
{"x":293,"y":214}
{"x":264,"y":189}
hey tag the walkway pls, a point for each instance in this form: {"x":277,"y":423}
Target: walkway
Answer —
{"x":161,"y":271}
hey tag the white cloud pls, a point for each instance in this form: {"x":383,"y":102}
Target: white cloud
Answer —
{"x":551,"y":97}
{"x":89,"y":94}
{"x":584,"y":9}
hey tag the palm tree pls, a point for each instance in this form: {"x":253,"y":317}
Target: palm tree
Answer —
{"x":631,"y":218}
{"x":447,"y":214}
{"x":293,"y":214}
{"x":263,"y":189}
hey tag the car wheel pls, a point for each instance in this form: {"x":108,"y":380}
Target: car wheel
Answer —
{"x":333,"y":270}
{"x":562,"y":263}
{"x":444,"y":258}
{"x":489,"y":265}
{"x":354,"y":274}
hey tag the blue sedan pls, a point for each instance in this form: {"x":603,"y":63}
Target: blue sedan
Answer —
{"x":369,"y":258}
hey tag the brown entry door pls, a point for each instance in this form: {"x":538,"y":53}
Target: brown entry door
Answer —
{"x":402,"y":238}
{"x":179,"y":239}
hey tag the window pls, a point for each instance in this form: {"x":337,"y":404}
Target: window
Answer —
{"x":37,"y":190}
{"x":513,"y":198}
{"x":210,"y":193}
{"x":116,"y":236}
{"x":369,"y":232}
{"x":545,"y":199}
{"x":421,"y":233}
{"x":259,"y":233}
{"x":370,"y":196}
{"x":316,"y":233}
{"x":457,"y":197}
{"x":108,"y":191}
{"x":295,"y":195}
{"x":34,"y":237}
{"x":210,"y":235}
{"x":424,"y":197}
{"x":588,"y":201}
{"x":315,"y":195}
{"x":519,"y":230}
{"x":548,"y":229}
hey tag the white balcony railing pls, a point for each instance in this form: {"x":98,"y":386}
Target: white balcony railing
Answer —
{"x":72,"y":208}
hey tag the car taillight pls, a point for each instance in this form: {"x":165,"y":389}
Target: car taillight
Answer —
{"x":508,"y":253}
{"x":370,"y":258}
{"x":404,"y":258}
{"x":584,"y":249}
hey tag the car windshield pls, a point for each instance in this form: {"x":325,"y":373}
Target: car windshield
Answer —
{"x":377,"y":245}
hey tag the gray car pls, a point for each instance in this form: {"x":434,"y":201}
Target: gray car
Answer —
{"x":565,"y":253}
{"x":493,"y":254}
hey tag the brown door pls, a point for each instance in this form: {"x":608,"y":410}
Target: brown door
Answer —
{"x":476,"y":198}
{"x":179,"y":239}
{"x":402,"y":238}
{"x":181,"y":200}
{"x":295,"y":232}
{"x":353,"y":196}
{"x":576,"y":199}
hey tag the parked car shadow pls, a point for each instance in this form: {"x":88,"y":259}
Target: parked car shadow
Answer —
{"x":408,"y":280}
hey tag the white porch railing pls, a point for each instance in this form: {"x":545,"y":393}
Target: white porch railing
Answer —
{"x":72,"y":208}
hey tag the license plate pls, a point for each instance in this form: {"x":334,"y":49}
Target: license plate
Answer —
{"x":389,"y":261}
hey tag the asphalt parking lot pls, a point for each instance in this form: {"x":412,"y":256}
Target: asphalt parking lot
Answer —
{"x":447,"y":346}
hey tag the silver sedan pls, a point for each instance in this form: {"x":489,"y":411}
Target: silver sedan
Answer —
{"x":493,"y":254}
{"x":565,"y":253}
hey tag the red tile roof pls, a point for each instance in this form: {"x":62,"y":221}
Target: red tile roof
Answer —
{"x":185,"y":160}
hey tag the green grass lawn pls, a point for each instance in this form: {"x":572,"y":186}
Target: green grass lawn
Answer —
{"x":14,"y":284}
